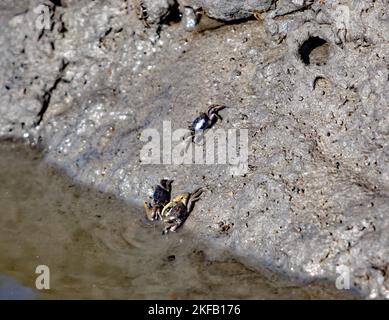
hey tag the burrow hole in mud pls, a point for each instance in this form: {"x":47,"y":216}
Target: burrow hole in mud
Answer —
{"x":174,"y":15}
{"x":314,"y":50}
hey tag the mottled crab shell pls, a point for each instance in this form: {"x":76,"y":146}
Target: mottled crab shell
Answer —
{"x":201,"y":122}
{"x":178,"y":211}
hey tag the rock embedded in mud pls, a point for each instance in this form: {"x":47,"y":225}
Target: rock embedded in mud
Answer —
{"x":229,"y":10}
{"x":190,"y":19}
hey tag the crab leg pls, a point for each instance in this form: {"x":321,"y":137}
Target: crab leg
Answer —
{"x":191,"y":139}
{"x":149,"y":211}
{"x":172,"y":226}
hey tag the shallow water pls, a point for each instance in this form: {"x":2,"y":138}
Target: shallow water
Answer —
{"x":98,"y":247}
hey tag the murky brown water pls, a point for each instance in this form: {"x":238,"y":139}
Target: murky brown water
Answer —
{"x":99,"y":248}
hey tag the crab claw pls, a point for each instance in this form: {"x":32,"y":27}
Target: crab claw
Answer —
{"x":150,"y":212}
{"x":195,"y":196}
{"x":197,"y":192}
{"x":216,"y":108}
{"x":213,"y":113}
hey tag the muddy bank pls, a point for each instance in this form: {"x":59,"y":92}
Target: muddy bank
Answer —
{"x":308,"y":79}
{"x":98,"y":247}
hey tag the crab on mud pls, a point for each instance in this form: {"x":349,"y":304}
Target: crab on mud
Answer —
{"x":161,"y":197}
{"x":205,"y":120}
{"x":177,"y":211}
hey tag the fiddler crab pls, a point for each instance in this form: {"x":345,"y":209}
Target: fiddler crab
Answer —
{"x":177,"y":211}
{"x":161,"y":197}
{"x":205,"y":120}
{"x":172,"y":213}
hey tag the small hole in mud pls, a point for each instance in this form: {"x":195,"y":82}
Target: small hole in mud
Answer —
{"x":57,"y":2}
{"x":174,"y":15}
{"x":171,"y":258}
{"x":314,"y":50}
